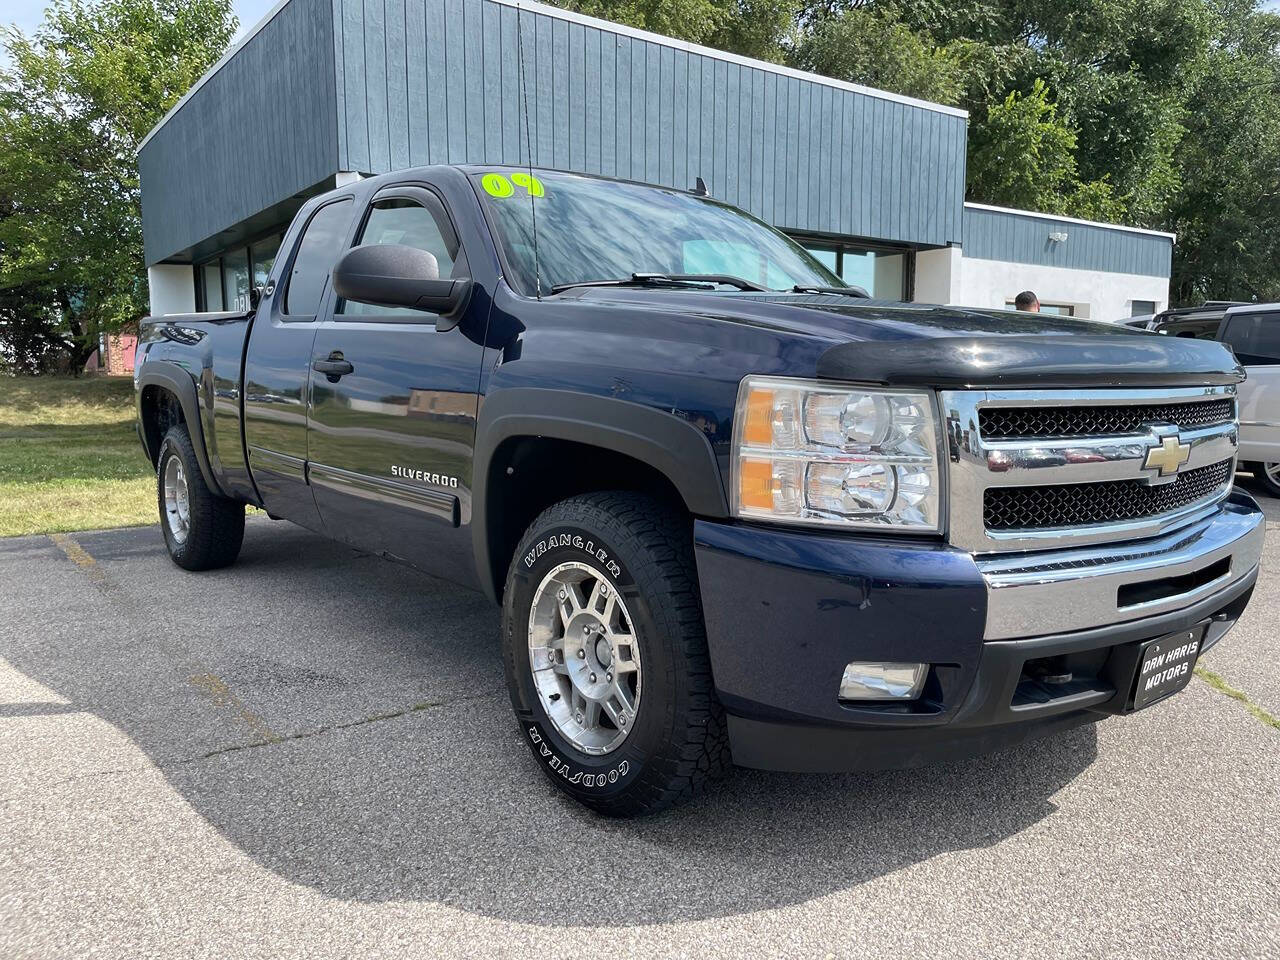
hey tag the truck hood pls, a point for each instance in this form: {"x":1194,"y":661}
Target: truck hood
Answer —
{"x":907,"y":344}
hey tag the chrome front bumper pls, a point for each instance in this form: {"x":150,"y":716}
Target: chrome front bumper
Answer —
{"x":1075,"y":589}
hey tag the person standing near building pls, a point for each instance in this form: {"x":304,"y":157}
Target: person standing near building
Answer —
{"x":1027,"y":301}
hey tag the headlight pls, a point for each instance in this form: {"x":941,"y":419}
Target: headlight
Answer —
{"x":809,"y":452}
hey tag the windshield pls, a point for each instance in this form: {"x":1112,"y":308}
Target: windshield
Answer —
{"x":593,"y":229}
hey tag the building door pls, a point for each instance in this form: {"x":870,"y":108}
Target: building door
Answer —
{"x":391,"y":440}
{"x":276,"y":368}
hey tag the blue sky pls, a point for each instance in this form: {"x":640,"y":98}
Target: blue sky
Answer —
{"x":27,"y":14}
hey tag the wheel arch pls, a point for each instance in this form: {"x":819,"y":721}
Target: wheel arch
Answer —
{"x":166,"y":396}
{"x":601,"y":442}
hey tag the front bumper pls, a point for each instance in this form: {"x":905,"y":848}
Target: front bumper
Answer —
{"x":786,"y":610}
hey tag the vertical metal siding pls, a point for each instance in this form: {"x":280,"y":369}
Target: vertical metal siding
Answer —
{"x":260,"y":129}
{"x":802,"y":154}
{"x":1024,"y":238}
{"x":377,"y":85}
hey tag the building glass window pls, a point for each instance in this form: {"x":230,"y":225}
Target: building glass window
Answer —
{"x":1058,"y":309}
{"x":1143,"y":308}
{"x":882,"y":271}
{"x":211,"y":286}
{"x":829,"y":257}
{"x":235,"y":280}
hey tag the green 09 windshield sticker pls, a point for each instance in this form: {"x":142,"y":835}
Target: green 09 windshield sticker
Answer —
{"x":497,"y":185}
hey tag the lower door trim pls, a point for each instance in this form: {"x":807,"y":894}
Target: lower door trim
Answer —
{"x":281,"y":464}
{"x":434,"y":503}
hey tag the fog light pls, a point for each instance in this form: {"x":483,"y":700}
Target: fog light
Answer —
{"x":883,"y":681}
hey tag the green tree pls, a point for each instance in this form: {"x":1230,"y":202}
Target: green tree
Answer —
{"x":751,"y":28}
{"x":872,"y":46}
{"x":75,"y":102}
{"x":1023,"y":156}
{"x":1227,"y":211}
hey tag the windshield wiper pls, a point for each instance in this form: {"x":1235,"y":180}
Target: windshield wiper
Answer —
{"x":706,"y":281}
{"x":849,"y":291}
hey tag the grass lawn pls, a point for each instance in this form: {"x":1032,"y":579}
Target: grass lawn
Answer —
{"x":70,"y":457}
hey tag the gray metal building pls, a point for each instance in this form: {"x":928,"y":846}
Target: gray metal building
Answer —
{"x":325,"y":90}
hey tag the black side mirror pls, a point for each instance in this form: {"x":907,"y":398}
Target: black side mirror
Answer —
{"x":393,"y":275}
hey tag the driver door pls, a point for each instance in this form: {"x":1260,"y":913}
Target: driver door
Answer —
{"x":392,"y":426}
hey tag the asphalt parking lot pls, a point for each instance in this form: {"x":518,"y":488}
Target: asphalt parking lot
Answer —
{"x":311,"y":754}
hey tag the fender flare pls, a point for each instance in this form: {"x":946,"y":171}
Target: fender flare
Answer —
{"x":174,"y":378}
{"x":674,"y":447}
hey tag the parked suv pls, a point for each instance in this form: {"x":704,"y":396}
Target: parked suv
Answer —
{"x":733,"y":510}
{"x":1253,"y":332}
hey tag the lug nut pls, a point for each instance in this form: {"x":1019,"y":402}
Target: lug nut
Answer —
{"x":561,"y":595}
{"x":622,"y":720}
{"x":608,"y":678}
{"x":604,"y":589}
{"x":585,"y":630}
{"x":579,"y":718}
{"x":593,"y":678}
{"x":582,"y":654}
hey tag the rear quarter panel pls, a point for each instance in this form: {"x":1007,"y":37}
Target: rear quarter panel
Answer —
{"x":210,"y":349}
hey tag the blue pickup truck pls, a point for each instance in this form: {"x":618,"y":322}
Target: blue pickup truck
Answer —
{"x":734,"y":510}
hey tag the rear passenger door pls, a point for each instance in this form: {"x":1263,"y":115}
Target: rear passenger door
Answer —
{"x":276,"y":364}
{"x":1255,"y":337}
{"x":391,"y":441}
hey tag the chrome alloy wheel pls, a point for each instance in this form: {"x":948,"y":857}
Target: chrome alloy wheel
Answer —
{"x":1272,"y":470}
{"x":177,"y":500}
{"x":584,"y":657}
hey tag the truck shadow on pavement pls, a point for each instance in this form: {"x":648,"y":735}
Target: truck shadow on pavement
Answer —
{"x":343,"y":722}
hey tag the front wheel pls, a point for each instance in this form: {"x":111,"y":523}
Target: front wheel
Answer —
{"x":202,"y":530}
{"x":1268,"y":474}
{"x":606,"y":655}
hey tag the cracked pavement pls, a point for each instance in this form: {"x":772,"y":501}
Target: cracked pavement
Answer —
{"x":311,"y":753}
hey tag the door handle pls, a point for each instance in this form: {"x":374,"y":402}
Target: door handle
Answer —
{"x":334,"y":368}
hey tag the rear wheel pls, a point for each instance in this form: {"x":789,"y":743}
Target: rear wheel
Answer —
{"x":606,"y":655}
{"x":202,"y":530}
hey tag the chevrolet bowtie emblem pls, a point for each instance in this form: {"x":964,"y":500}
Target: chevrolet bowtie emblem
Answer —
{"x":1168,"y":457}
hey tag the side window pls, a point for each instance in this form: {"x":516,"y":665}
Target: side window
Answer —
{"x":317,"y":252}
{"x":1255,"y":337}
{"x":408,"y":222}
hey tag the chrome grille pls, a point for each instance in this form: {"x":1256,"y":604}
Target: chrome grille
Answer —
{"x":1092,"y":504}
{"x":1003,"y":423}
{"x":1047,"y":469}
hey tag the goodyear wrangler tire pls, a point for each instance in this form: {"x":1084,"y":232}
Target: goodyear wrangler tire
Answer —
{"x":606,"y":655}
{"x":202,"y":530}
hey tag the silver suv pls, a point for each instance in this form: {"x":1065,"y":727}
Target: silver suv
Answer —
{"x":1253,"y":332}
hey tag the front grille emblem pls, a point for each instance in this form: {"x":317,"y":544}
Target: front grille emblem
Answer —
{"x":1168,"y":457}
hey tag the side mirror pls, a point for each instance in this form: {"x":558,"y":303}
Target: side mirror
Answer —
{"x":393,"y":275}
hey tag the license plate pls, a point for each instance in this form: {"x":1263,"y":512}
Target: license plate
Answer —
{"x":1165,"y":666}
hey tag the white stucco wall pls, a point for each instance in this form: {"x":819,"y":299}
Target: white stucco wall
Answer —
{"x":1095,"y":294}
{"x":947,"y":276}
{"x":172,"y":287}
{"x":938,"y":275}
